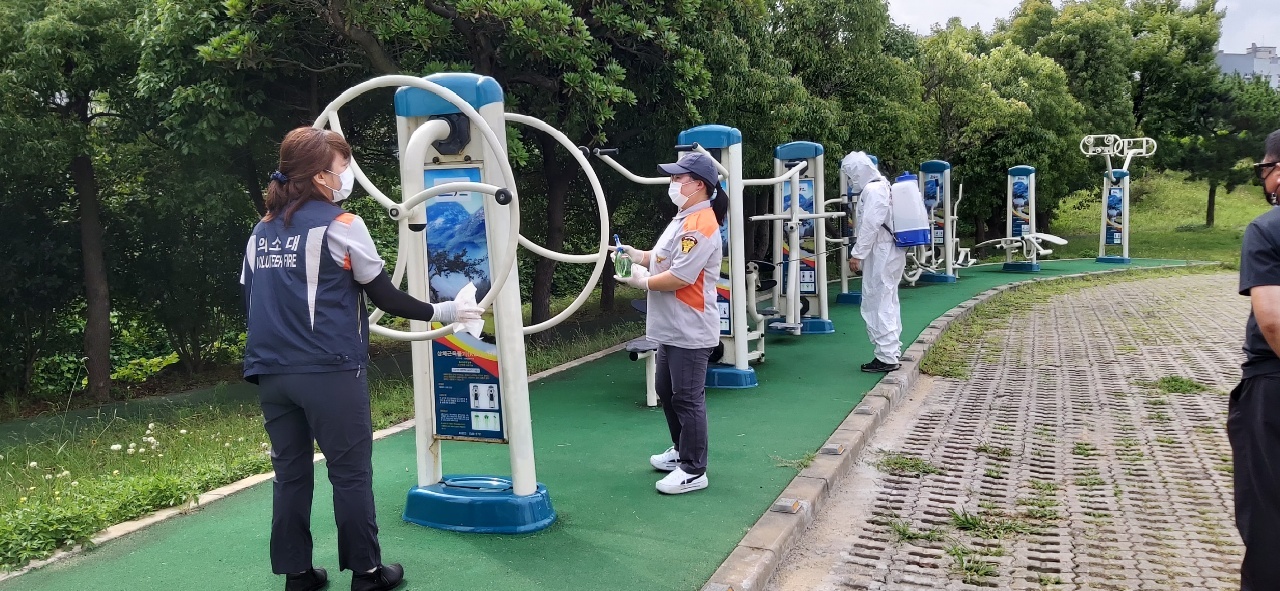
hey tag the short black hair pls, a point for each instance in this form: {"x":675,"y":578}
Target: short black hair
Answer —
{"x":1273,"y":146}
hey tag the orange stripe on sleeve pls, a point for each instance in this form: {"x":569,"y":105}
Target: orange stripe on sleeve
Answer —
{"x":692,"y":295}
{"x":346,"y":263}
{"x":347,"y":217}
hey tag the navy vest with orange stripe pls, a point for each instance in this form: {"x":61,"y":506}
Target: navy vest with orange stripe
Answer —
{"x":306,"y":312}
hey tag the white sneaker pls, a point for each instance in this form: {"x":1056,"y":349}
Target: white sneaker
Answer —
{"x":678,"y":482}
{"x":666,"y":461}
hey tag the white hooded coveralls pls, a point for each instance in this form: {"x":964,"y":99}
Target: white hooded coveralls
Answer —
{"x":882,"y":261}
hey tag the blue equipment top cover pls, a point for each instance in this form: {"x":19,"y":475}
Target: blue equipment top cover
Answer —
{"x":475,"y":89}
{"x":711,"y":137}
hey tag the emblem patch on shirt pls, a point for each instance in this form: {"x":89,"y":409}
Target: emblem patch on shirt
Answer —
{"x":687,"y":243}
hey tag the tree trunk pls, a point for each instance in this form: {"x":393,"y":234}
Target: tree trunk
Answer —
{"x":1213,"y":200}
{"x":980,"y":230}
{"x":557,"y":190}
{"x":97,"y":330}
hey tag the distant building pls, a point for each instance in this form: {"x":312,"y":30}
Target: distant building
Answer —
{"x":1255,"y":62}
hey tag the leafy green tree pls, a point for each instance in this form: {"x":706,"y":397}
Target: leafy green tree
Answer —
{"x":1032,"y":21}
{"x":1092,"y":41}
{"x":66,"y":65}
{"x":1173,"y":56}
{"x":1240,"y":116}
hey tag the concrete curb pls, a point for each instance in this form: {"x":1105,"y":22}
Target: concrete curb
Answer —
{"x":128,"y":527}
{"x":752,"y":564}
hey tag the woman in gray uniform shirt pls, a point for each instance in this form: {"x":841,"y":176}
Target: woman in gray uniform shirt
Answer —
{"x":680,"y":275}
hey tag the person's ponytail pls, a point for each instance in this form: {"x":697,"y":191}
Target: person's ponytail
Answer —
{"x":720,"y":204}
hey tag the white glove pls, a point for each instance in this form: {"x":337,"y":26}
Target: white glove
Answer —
{"x":639,"y":278}
{"x":636,"y":255}
{"x":462,"y":309}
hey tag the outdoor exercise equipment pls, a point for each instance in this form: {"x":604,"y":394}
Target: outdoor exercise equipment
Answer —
{"x":799,"y":242}
{"x":740,"y":343}
{"x":848,"y":230}
{"x":940,"y":261}
{"x":1115,"y":189}
{"x":459,"y":227}
{"x":1020,"y":224}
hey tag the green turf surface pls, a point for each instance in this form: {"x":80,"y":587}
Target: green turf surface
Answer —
{"x":593,"y":437}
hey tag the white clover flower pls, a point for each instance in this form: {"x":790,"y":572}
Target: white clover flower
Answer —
{"x":64,"y":474}
{"x":141,"y":450}
{"x":265,"y":446}
{"x":182,"y":431}
{"x":75,"y":483}
{"x":151,"y":425}
{"x":160,"y":455}
{"x":131,"y":451}
{"x":115,"y":472}
{"x":132,"y":445}
{"x":1,"y":458}
{"x":115,"y":447}
{"x":226,"y":445}
{"x":32,"y":465}
{"x":240,"y":439}
{"x":48,"y":476}
{"x":148,"y":432}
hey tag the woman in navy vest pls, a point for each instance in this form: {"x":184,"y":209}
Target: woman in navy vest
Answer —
{"x":307,"y":267}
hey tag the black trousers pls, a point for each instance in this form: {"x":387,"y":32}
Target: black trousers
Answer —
{"x":333,"y":410}
{"x":1253,"y":426}
{"x":681,"y":385}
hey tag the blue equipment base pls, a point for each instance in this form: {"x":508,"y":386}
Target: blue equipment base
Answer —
{"x":936,"y":278}
{"x":1022,"y":267}
{"x":852,"y":297}
{"x":817,"y":326}
{"x":1114,"y":260}
{"x":729,"y":377}
{"x":478,"y":504}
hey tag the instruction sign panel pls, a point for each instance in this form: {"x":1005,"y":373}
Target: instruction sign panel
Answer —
{"x":1115,"y":216}
{"x":464,"y":369}
{"x":933,"y":203}
{"x":1019,"y":211}
{"x":724,"y":287}
{"x":808,"y":264}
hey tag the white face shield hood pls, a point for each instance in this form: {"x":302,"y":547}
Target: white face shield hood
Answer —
{"x":859,"y":170}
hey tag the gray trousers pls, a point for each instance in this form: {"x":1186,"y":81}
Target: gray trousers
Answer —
{"x":681,"y":385}
{"x":333,"y":410}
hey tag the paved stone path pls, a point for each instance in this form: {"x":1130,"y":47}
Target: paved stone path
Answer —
{"x":1071,"y":458}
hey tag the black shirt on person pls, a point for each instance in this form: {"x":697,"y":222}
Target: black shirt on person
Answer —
{"x":1259,"y":266}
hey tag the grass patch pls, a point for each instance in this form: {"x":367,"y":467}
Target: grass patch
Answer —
{"x":1084,"y":449}
{"x":900,"y":464}
{"x":578,"y":345}
{"x":968,"y":566}
{"x":1003,"y":453}
{"x":993,"y":473}
{"x":904,"y":533}
{"x":1179,"y":385}
{"x":1090,"y":481}
{"x":990,"y":527}
{"x":798,"y":464}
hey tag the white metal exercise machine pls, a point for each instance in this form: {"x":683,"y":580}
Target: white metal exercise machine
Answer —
{"x":1020,"y":224}
{"x":1115,"y":189}
{"x":799,"y":242}
{"x":459,"y":228}
{"x":941,"y":260}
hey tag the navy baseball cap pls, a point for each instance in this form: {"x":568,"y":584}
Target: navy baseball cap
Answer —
{"x":701,"y":166}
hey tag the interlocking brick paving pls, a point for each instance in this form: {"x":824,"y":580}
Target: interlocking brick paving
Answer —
{"x":1086,"y":450}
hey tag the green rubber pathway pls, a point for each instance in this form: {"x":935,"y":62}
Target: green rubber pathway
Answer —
{"x":593,"y":436}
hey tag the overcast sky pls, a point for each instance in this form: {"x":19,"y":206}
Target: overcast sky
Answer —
{"x":1248,"y":21}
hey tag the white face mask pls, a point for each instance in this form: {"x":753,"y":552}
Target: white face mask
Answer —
{"x":348,"y":183}
{"x":678,"y":198}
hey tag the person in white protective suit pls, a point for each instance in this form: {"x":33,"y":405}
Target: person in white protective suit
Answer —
{"x":879,"y":259}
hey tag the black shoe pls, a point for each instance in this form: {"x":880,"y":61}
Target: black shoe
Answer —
{"x":877,"y":366}
{"x":311,"y":580}
{"x":385,"y":578}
